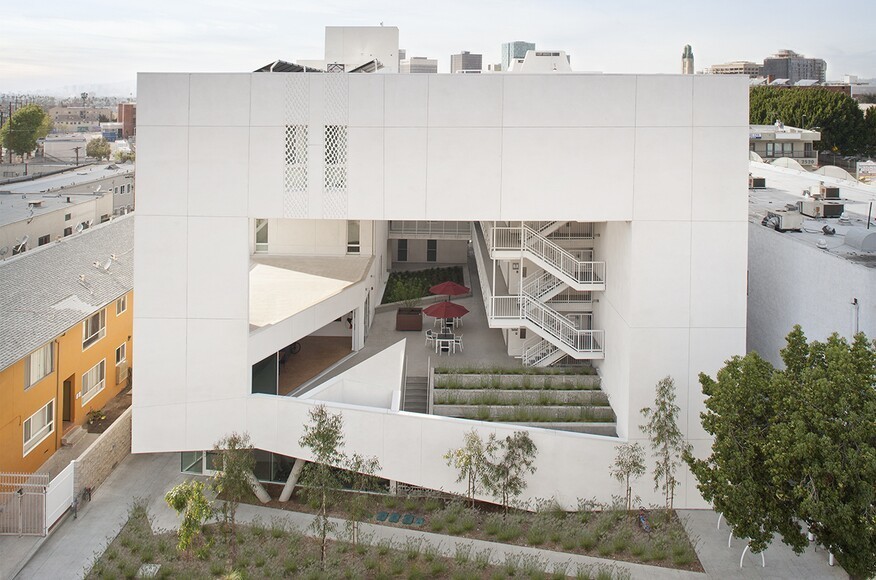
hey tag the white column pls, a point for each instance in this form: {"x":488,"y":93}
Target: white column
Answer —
{"x":292,"y":480}
{"x":258,"y":489}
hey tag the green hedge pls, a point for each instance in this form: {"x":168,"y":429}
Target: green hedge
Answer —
{"x":416,"y":284}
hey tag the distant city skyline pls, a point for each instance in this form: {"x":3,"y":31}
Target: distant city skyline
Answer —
{"x":62,"y":48}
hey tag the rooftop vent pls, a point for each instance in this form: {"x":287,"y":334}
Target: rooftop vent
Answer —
{"x":861,"y":239}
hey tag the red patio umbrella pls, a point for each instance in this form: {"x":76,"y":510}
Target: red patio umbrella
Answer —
{"x":449,"y":288}
{"x":446,"y":309}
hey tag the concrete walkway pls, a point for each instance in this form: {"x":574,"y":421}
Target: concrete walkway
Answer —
{"x":723,"y":562}
{"x":70,"y":551}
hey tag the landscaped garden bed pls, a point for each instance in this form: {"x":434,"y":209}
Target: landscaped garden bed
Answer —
{"x":272,"y":550}
{"x":504,"y":381}
{"x":404,"y":286}
{"x":99,"y":420}
{"x":597,"y":531}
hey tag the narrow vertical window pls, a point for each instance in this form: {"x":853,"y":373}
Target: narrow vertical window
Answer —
{"x":354,"y":245}
{"x":261,"y":236}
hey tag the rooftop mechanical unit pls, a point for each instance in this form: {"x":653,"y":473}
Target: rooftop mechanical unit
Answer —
{"x":818,"y":208}
{"x":783,"y":220}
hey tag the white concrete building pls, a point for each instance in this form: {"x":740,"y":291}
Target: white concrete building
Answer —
{"x":822,"y":279}
{"x":288,"y":232}
{"x":541,"y":61}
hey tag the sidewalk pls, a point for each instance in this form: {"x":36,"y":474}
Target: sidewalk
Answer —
{"x":71,"y":549}
{"x":723,"y":562}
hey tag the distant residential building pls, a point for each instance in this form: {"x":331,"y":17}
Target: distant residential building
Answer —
{"x":736,"y":67}
{"x":538,"y":61}
{"x":127,"y":116}
{"x":465,"y":61}
{"x":774,"y":141}
{"x":687,"y":60}
{"x":79,"y":119}
{"x":418,"y":64}
{"x":495,"y":67}
{"x":512,"y":50}
{"x":34,"y":213}
{"x":787,"y":64}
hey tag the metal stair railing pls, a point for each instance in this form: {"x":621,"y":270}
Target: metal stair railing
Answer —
{"x":554,"y":324}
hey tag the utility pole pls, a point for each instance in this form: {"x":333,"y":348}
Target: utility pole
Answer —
{"x":76,"y":149}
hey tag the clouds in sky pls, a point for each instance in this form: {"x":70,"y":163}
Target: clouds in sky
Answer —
{"x":54,"y":44}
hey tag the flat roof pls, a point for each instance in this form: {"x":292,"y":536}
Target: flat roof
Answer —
{"x":80,"y":176}
{"x":786,"y":186}
{"x":46,"y":290}
{"x":282,"y":286}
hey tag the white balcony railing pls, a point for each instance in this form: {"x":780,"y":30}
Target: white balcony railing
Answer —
{"x":562,"y":261}
{"x":527,"y":309}
{"x":430,"y":229}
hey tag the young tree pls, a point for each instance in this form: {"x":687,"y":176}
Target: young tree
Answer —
{"x":469,"y":461}
{"x":234,"y":480}
{"x":363,"y":470}
{"x":24,"y":128}
{"x":667,"y":441}
{"x":507,"y":462}
{"x":98,"y":148}
{"x":189,"y":501}
{"x":629,"y":463}
{"x":325,"y":438}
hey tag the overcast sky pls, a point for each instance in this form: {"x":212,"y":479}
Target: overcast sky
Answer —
{"x":56,"y":46}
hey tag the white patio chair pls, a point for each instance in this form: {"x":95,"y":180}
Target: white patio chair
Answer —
{"x":430,"y":337}
{"x":457,"y":341}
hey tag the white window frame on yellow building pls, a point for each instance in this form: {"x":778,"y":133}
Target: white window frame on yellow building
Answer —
{"x":34,"y":375}
{"x":121,"y":305}
{"x":89,"y":340}
{"x":88,"y":394}
{"x":47,"y":414}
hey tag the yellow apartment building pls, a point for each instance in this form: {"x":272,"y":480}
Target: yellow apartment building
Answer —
{"x":66,"y":320}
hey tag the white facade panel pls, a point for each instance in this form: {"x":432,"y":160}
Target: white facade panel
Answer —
{"x":366,"y":100}
{"x":661,"y":274}
{"x":405,"y":173}
{"x":266,"y":167}
{"x":167,"y":177}
{"x":168,"y":98}
{"x":267,"y":100}
{"x":365,"y":171}
{"x":161,"y":272}
{"x":159,"y":427}
{"x":406,"y":100}
{"x":718,"y":295}
{"x":720,"y":101}
{"x":664,"y":101}
{"x":552,"y":100}
{"x":465,"y":100}
{"x":217,"y":359}
{"x":719,"y":173}
{"x":161,"y":363}
{"x":220,"y":100}
{"x":662,"y":173}
{"x":218,"y":268}
{"x":582,"y":181}
{"x":463,"y":177}
{"x":212,"y":192}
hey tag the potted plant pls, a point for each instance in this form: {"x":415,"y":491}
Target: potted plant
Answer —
{"x":409,"y":315}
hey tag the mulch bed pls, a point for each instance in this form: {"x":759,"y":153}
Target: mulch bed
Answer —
{"x":111,"y":411}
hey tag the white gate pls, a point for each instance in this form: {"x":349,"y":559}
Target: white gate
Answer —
{"x":59,"y":495}
{"x":23,"y":504}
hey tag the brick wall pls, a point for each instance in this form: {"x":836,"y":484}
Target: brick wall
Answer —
{"x":107,"y":451}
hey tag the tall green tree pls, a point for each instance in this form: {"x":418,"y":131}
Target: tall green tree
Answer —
{"x":870,"y":129}
{"x":324,"y":436}
{"x":838,"y":116}
{"x":98,"y":148}
{"x":24,"y":128}
{"x":823,"y":446}
{"x":740,"y":411}
{"x":363,"y":470}
{"x":506,"y":464}
{"x":797,"y":445}
{"x":233,"y":481}
{"x":629,"y":463}
{"x":469,"y":462}
{"x":667,"y":441}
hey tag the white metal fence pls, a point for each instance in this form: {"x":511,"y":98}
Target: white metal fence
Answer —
{"x":23,"y":504}
{"x":59,"y":496}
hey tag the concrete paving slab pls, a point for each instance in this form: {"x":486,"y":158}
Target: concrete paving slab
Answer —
{"x":723,"y":562}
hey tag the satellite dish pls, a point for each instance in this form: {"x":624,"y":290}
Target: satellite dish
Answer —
{"x":79,"y":228}
{"x":4,"y":250}
{"x":23,"y":241}
{"x":107,"y":264}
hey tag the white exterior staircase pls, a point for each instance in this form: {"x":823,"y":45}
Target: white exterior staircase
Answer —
{"x":556,"y":334}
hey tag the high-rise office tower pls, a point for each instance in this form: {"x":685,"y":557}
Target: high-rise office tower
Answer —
{"x":787,"y":64}
{"x":687,"y":61}
{"x":465,"y":61}
{"x":418,"y":64}
{"x":512,"y":50}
